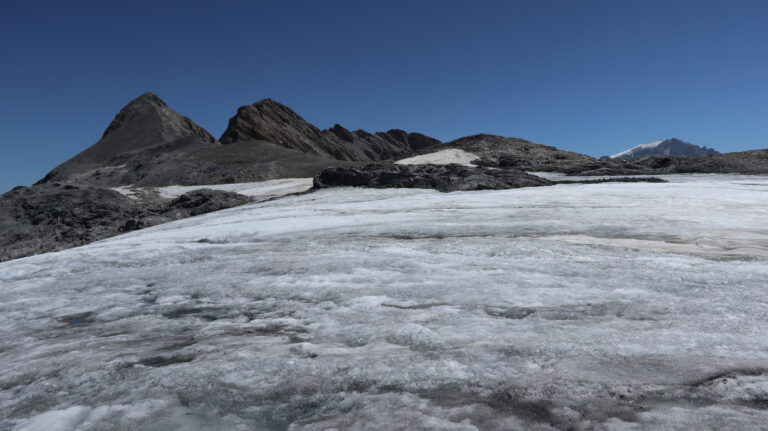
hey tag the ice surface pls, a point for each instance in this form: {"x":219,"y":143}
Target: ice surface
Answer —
{"x":388,"y":309}
{"x":259,"y":189}
{"x":442,"y":157}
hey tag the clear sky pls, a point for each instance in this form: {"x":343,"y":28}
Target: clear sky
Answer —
{"x":590,"y":76}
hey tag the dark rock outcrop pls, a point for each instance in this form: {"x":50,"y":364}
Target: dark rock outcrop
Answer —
{"x":615,"y":180}
{"x":51,"y":217}
{"x":746,"y":162}
{"x":414,"y":141}
{"x":201,"y":201}
{"x":271,"y":121}
{"x":445,"y":178}
{"x":499,"y":151}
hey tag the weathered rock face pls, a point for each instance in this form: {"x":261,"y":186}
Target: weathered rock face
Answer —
{"x":51,"y":217}
{"x":445,"y":178}
{"x":201,"y":201}
{"x":268,"y":120}
{"x":414,"y":141}
{"x":144,"y":125}
{"x":271,"y":121}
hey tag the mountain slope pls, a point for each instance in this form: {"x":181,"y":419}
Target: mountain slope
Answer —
{"x":665,"y":147}
{"x":503,"y":152}
{"x":743,"y":162}
{"x":143,"y":125}
{"x":149,"y":144}
{"x":271,"y":121}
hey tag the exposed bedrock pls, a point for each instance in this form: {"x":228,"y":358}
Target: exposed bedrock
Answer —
{"x":445,"y":178}
{"x":51,"y":217}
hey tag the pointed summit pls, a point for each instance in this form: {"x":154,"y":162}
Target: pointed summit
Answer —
{"x":134,"y":109}
{"x":268,"y":120}
{"x":143,"y":124}
{"x":147,"y":119}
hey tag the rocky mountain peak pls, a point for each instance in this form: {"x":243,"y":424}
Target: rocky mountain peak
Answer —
{"x":149,"y":113}
{"x":145,"y":123}
{"x":135,"y":109}
{"x":269,"y":120}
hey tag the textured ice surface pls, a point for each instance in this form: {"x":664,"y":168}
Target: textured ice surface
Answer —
{"x":442,"y":157}
{"x":259,"y":189}
{"x":359,"y":309}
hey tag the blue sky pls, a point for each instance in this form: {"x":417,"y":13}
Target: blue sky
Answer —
{"x":589,"y":76}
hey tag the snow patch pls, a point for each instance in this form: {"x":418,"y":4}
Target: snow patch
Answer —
{"x":442,"y":157}
{"x":259,"y":189}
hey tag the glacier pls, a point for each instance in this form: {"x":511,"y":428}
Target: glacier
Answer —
{"x":615,"y":306}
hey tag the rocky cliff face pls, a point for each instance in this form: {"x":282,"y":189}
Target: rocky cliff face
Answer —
{"x":271,"y":121}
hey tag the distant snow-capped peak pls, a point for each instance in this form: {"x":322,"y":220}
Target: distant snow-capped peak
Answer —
{"x":665,"y":147}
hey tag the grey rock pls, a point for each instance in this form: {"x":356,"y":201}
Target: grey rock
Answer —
{"x":445,"y":178}
{"x":54,"y":216}
{"x":268,"y":120}
{"x":499,"y":151}
{"x":202,"y":201}
{"x":146,"y":124}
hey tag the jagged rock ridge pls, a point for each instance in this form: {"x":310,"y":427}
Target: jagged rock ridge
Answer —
{"x":149,"y":144}
{"x":271,"y":121}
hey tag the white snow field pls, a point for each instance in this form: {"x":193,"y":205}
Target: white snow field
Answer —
{"x":260,"y":189}
{"x":611,"y":306}
{"x":442,"y":157}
